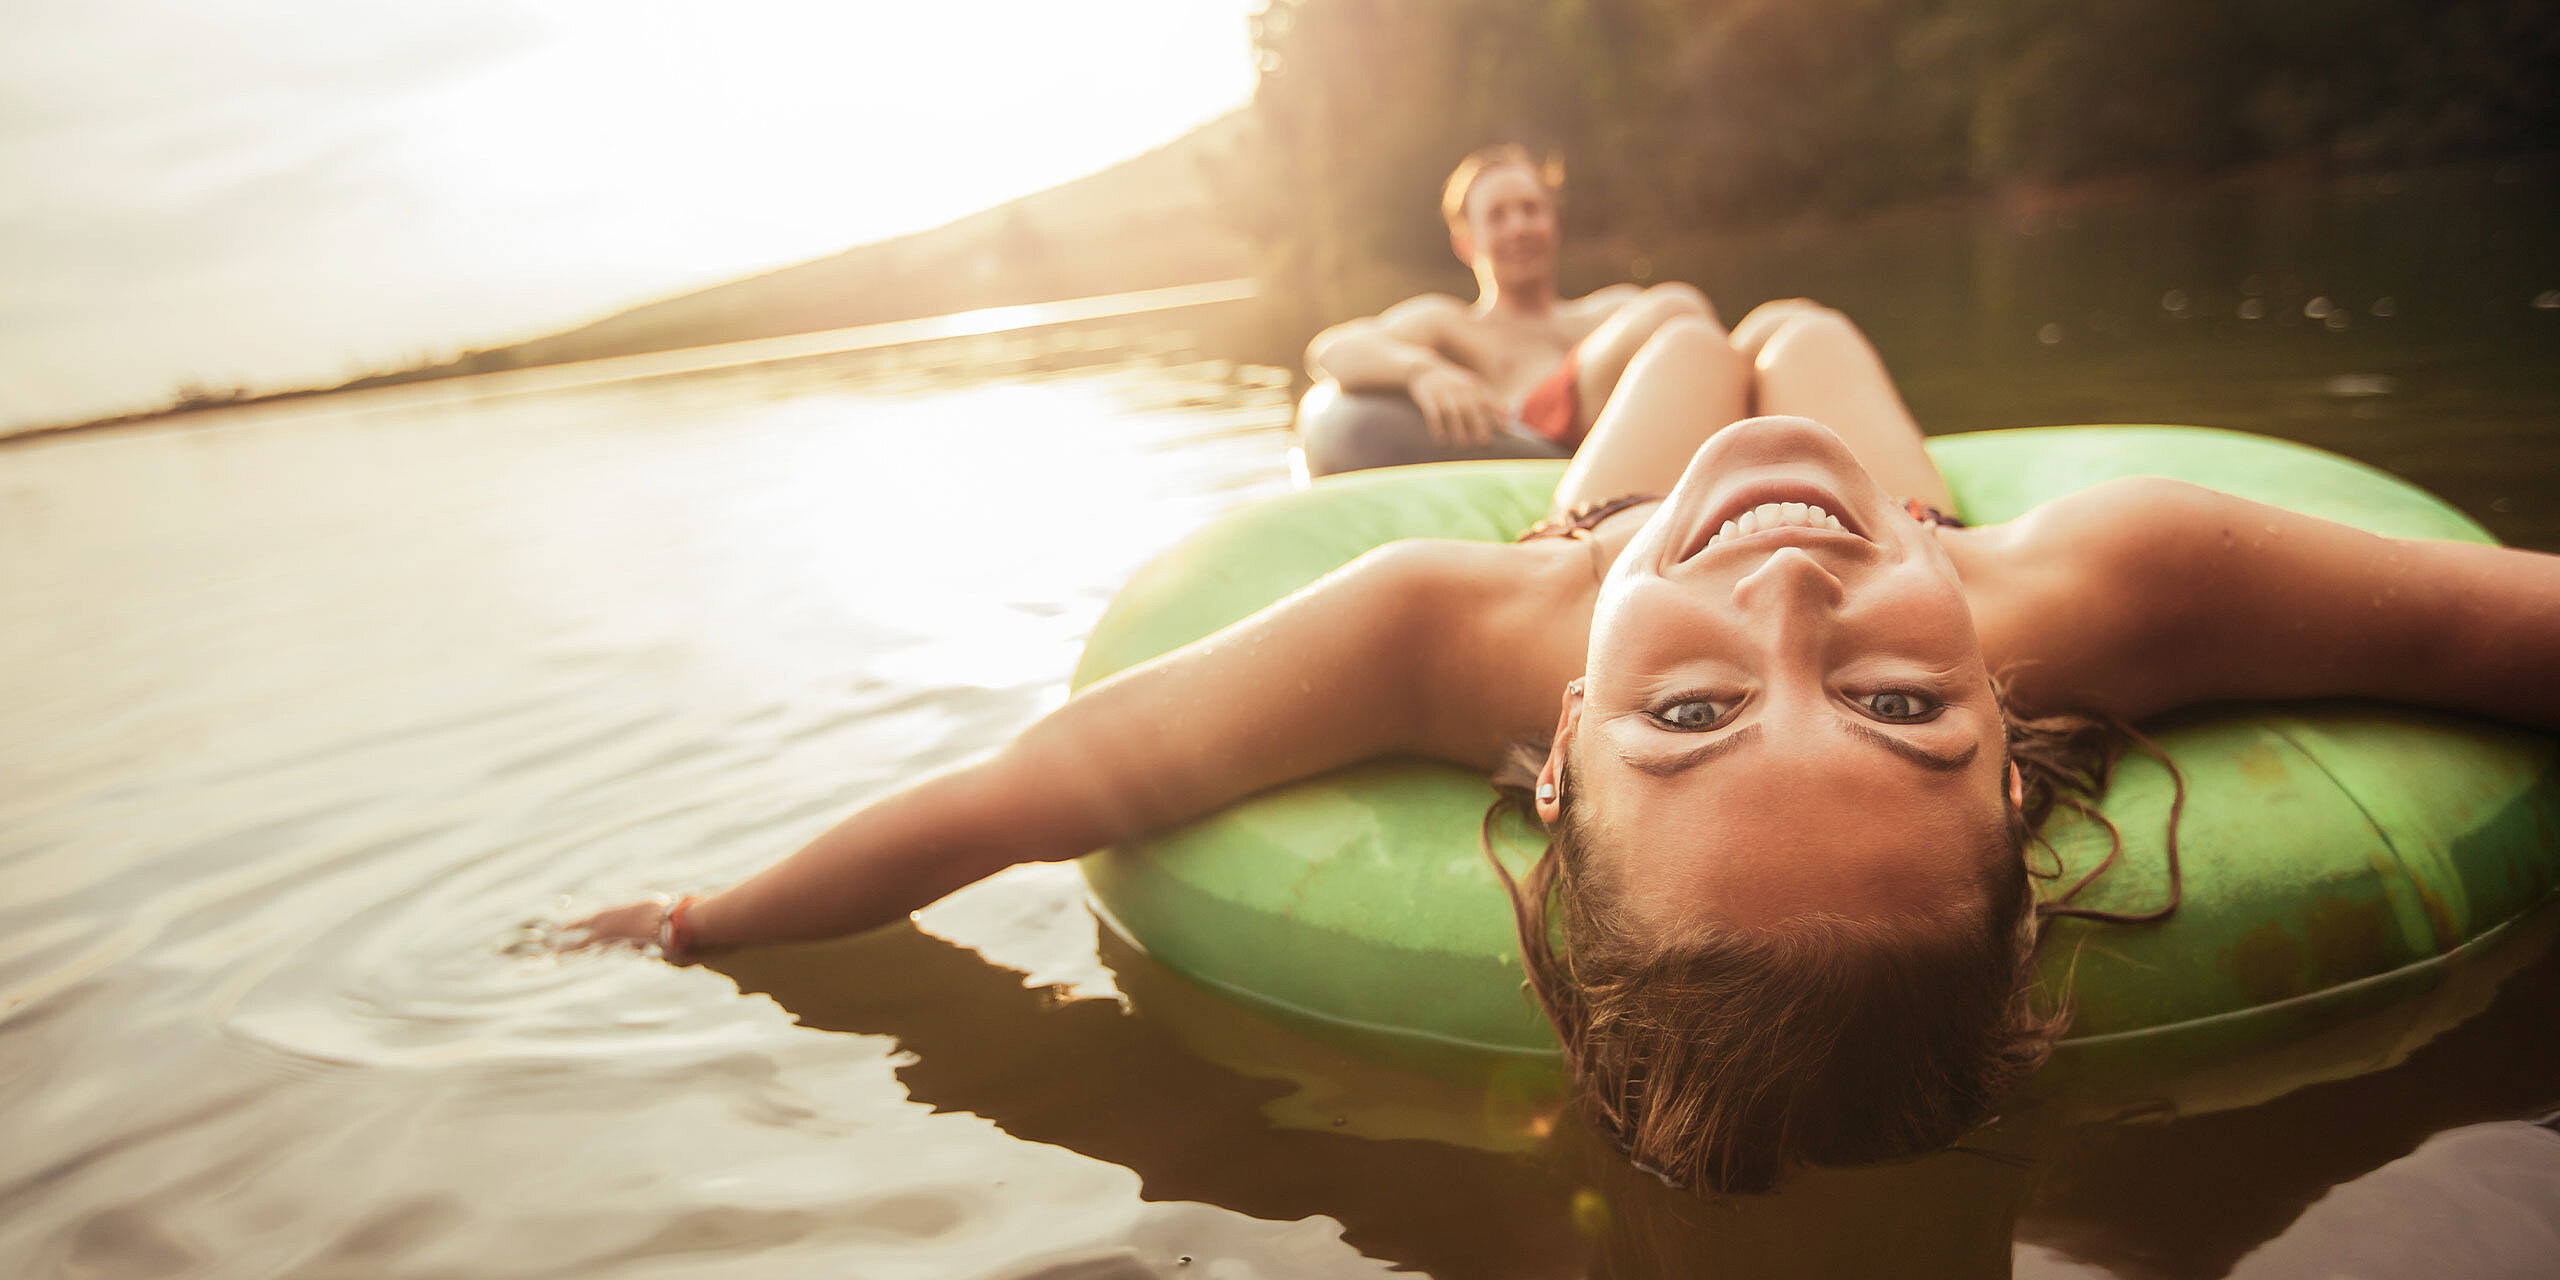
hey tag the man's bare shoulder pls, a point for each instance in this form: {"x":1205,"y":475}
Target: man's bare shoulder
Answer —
{"x":1607,"y":298}
{"x":1425,"y":309}
{"x":1424,"y":305}
{"x":1577,"y":318}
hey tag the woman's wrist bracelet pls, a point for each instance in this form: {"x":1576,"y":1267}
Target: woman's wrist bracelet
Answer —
{"x":675,"y":933}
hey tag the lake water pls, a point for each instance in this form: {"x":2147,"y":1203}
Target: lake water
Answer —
{"x":310,"y":708}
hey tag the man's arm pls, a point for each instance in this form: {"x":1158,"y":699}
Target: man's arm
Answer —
{"x":1407,"y":348}
{"x":1326,"y":677}
{"x":2216,"y":598}
{"x":1385,"y":352}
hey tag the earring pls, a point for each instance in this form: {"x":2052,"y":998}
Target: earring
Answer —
{"x":1575,"y":686}
{"x":1546,"y":793}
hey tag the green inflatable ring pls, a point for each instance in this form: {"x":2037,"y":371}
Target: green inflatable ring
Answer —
{"x":2351,"y":870}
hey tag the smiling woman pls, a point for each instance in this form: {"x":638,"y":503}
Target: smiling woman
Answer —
{"x":1789,"y":806}
{"x":1819,"y":665}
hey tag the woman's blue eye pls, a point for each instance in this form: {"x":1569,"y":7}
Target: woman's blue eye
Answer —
{"x":1692,"y":713}
{"x":1901,"y":705}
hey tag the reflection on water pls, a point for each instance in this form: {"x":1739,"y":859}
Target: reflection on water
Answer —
{"x":307,"y":717}
{"x":308,"y":714}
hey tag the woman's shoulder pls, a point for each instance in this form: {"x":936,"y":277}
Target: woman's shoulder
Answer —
{"x":1508,"y":624}
{"x":2128,"y":507}
{"x":1444,"y":565}
{"x":1492,"y":587}
{"x":2069,"y":595}
{"x":1494,"y":566}
{"x":2104,"y":538}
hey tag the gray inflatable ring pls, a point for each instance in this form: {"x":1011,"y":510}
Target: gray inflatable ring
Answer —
{"x":1342,"y":431}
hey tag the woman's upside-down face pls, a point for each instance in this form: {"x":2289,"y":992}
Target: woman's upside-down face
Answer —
{"x":1786,"y":709}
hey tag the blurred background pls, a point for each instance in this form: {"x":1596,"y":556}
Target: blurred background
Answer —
{"x":205,"y":202}
{"x":749,"y":408}
{"x":272,"y":194}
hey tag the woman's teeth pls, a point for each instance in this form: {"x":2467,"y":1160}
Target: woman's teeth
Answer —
{"x":1777,"y":515}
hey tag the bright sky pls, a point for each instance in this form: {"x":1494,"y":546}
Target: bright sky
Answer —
{"x":278,"y":192}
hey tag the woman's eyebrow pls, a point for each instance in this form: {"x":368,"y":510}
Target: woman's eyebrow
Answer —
{"x":1917,"y":754}
{"x":1667,"y":766}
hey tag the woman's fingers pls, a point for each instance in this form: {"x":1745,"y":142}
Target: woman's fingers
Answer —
{"x":631,"y":922}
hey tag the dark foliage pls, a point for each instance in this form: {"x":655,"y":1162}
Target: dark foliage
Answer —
{"x":1678,"y":115}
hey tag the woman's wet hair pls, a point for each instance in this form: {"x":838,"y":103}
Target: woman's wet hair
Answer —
{"x":1722,"y":1058}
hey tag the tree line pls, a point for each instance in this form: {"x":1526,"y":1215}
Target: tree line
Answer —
{"x":1676,"y":116}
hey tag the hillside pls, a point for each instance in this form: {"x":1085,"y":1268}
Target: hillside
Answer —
{"x":1143,"y":223}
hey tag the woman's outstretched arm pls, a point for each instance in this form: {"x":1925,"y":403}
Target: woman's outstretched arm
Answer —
{"x":2187,"y":596}
{"x":1323,"y":678}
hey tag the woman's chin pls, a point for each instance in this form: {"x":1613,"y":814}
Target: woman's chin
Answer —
{"x":1768,"y":440}
{"x":1780,"y":459}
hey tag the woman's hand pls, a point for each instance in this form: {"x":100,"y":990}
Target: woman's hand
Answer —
{"x":631,"y":924}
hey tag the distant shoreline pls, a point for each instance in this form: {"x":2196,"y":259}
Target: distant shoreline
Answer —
{"x":974,"y":323}
{"x":682,"y":329}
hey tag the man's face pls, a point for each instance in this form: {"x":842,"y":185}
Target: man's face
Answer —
{"x":1511,"y":225}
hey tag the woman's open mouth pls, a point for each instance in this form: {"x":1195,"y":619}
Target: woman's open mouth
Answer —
{"x":1776,"y":515}
{"x":1791,"y":513}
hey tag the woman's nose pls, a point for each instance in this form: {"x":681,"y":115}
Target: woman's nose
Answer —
{"x":1789,"y":576}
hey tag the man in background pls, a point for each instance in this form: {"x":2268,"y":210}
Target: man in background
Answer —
{"x":1521,"y":359}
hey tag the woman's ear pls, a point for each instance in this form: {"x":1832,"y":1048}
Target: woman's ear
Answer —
{"x":1551,"y":775}
{"x":1463,"y":245}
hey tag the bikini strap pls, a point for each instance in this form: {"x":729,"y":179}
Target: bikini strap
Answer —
{"x":1579,"y":522}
